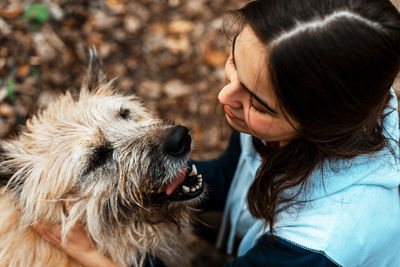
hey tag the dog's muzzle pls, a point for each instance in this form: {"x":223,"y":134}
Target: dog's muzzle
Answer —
{"x":178,"y":141}
{"x":188,"y":184}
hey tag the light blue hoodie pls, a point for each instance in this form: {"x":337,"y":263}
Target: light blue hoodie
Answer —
{"x":352,"y":217}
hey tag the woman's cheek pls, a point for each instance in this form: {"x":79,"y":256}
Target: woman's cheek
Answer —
{"x":259,"y":127}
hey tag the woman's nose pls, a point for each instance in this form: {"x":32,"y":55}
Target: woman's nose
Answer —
{"x":230,"y":95}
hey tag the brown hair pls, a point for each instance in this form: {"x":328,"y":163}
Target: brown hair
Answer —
{"x":332,"y":64}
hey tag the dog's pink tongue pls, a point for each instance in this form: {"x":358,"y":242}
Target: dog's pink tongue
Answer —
{"x":177,"y":181}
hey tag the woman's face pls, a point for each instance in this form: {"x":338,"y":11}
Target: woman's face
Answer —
{"x":249,"y":102}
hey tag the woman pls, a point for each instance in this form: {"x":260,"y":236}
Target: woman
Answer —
{"x":316,"y":168}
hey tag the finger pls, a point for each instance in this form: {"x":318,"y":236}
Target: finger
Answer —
{"x":53,"y":229}
{"x":51,"y":233}
{"x":78,"y":228}
{"x":69,"y":202}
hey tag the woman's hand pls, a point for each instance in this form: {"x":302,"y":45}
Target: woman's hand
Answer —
{"x":78,"y":245}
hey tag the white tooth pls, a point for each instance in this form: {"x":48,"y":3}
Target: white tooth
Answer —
{"x":197,"y":187}
{"x":199,"y":184}
{"x":185,"y":189}
{"x":193,"y":189}
{"x":200,"y":180}
{"x":194,"y":170}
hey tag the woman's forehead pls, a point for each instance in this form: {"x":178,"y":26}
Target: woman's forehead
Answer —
{"x":251,"y":59}
{"x":249,"y":38}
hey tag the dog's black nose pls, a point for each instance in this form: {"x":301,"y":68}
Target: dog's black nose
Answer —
{"x":178,"y":142}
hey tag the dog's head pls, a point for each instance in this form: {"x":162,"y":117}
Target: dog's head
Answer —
{"x":101,"y":158}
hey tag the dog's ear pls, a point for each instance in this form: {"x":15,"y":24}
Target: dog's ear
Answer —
{"x":5,"y":172}
{"x":95,"y":76}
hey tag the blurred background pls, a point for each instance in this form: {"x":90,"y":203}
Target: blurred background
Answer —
{"x":169,"y":52}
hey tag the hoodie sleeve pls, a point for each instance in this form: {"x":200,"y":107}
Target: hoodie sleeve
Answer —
{"x":217,"y":174}
{"x":277,"y":252}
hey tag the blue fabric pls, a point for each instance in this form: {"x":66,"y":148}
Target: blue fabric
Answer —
{"x":236,"y":211}
{"x":280,"y":253}
{"x":217,"y":174}
{"x":272,"y":253}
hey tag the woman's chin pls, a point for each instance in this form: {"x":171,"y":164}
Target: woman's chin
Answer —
{"x":237,"y":125}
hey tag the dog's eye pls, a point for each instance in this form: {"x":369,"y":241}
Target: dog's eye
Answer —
{"x":99,"y":157}
{"x":124,"y":113}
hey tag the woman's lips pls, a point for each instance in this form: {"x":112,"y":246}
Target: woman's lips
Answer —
{"x":229,"y":113}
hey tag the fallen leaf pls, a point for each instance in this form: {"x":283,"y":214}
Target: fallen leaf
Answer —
{"x":10,"y":13}
{"x":180,"y":26}
{"x":215,"y":58}
{"x":23,"y":70}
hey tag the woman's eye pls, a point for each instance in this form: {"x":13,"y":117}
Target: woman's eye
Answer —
{"x":257,"y":107}
{"x":261,"y":111}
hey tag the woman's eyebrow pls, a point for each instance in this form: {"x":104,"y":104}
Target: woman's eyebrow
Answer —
{"x":265,"y":105}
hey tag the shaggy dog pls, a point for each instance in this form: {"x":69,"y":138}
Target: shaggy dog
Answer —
{"x":122,"y":171}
